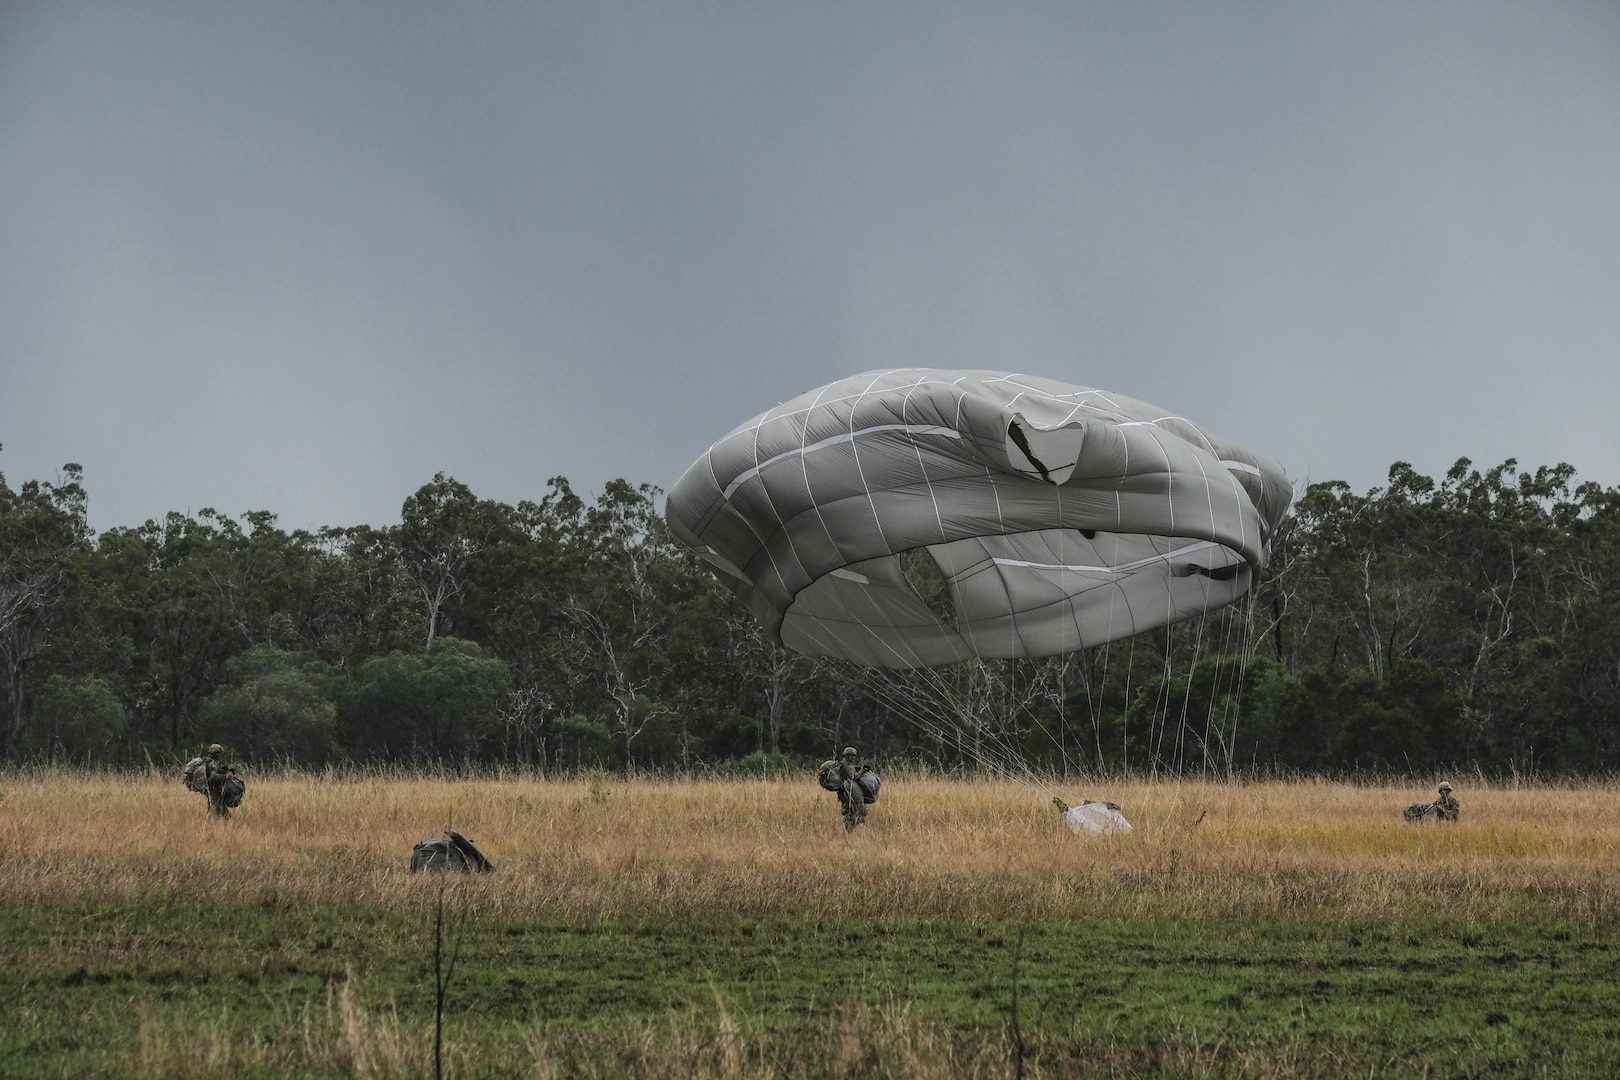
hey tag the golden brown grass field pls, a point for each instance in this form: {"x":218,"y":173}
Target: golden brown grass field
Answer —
{"x":292,"y":939}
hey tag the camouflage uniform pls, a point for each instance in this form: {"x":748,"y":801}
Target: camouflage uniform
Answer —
{"x":844,"y":777}
{"x":1446,"y":807}
{"x":217,"y":771}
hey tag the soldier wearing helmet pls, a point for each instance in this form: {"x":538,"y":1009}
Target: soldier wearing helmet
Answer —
{"x":855,"y":784}
{"x":1446,"y":807}
{"x":218,"y":771}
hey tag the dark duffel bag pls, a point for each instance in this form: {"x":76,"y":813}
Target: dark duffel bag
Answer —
{"x":452,"y":851}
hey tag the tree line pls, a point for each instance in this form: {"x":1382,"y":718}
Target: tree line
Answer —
{"x":1468,"y":622}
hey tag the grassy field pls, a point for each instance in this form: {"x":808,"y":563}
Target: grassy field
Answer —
{"x":734,"y":929}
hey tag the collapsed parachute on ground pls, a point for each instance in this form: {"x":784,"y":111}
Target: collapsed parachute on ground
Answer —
{"x":1096,"y":817}
{"x":1420,"y":813}
{"x":915,"y":517}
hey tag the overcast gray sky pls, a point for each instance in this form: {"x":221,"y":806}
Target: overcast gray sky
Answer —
{"x":301,"y":256}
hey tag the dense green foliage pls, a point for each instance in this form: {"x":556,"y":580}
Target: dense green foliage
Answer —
{"x":1150,"y":996}
{"x":1467,"y":622}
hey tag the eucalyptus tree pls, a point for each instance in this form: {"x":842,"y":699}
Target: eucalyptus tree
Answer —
{"x":514,"y":602}
{"x":361,"y":604}
{"x":42,"y":525}
{"x":189,"y":624}
{"x":621,"y":606}
{"x":443,"y":529}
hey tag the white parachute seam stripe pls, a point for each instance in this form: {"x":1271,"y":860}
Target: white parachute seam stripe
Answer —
{"x":835,"y":440}
{"x":1067,"y":399}
{"x":995,"y":493}
{"x":860,"y":469}
{"x":1169,"y":472}
{"x":706,"y":459}
{"x":1228,"y":464}
{"x":1113,"y":597}
{"x":1062,"y":539}
{"x":809,"y":489}
{"x":1063,"y":399}
{"x":763,"y":539}
{"x":1116,"y":568}
{"x":922,"y":464}
{"x":1244,"y":505}
{"x":916,"y":658}
{"x":806,"y":625}
{"x":875,"y":639}
{"x":773,"y":414}
{"x":873,"y":635}
{"x":1209,"y":488}
{"x":1016,"y":635}
{"x":1209,"y":443}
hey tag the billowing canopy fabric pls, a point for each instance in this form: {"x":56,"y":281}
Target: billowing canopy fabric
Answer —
{"x":914,"y":517}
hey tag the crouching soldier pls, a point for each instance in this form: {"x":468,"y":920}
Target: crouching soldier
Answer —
{"x":856,"y":785}
{"x":1446,"y":807}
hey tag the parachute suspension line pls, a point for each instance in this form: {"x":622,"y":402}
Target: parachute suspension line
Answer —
{"x":1129,"y":692}
{"x":1217,"y":748}
{"x":1253,"y":633}
{"x":1095,"y":690}
{"x":1217,"y":737}
{"x":1166,"y":698}
{"x":1097,"y":698}
{"x":1232,"y":714}
{"x":1073,"y":668}
{"x":900,"y":696}
{"x":1245,"y":658}
{"x":1160,"y":716}
{"x":1211,"y":733}
{"x":899,"y":700}
{"x":1236,"y":623}
{"x":1194,"y":655}
{"x":923,"y":695}
{"x":1029,"y":706}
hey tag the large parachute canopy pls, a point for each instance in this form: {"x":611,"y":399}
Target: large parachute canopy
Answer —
{"x":914,"y":517}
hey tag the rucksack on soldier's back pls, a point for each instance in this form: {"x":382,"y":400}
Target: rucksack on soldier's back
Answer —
{"x":196,"y":775}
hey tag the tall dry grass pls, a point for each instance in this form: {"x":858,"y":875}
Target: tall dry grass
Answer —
{"x":934,"y":847}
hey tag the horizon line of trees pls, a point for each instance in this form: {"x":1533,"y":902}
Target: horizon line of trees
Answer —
{"x":1468,"y":622}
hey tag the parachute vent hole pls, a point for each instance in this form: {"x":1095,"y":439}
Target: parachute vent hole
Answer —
{"x":928,"y":581}
{"x":1016,"y":433}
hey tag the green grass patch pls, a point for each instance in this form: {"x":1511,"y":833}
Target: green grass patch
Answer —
{"x":171,"y":989}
